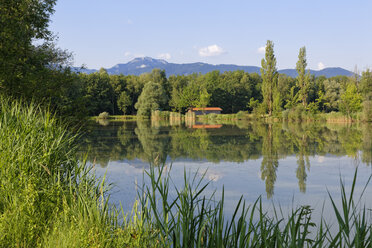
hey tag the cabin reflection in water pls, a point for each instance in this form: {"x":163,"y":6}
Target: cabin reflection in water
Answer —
{"x":206,"y":126}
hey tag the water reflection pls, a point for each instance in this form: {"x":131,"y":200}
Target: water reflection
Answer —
{"x":163,"y":142}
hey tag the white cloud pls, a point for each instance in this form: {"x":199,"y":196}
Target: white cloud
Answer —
{"x":165,"y":56}
{"x":321,"y":66}
{"x":127,"y":54}
{"x":209,"y":51}
{"x":261,"y":49}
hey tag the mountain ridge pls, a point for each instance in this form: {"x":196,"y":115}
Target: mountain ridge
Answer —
{"x":141,"y":65}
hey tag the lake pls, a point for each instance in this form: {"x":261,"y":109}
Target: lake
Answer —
{"x":286,"y":164}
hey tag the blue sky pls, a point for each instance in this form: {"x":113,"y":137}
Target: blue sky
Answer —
{"x":102,"y":33}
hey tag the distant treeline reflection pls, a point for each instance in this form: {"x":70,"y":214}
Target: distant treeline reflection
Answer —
{"x":155,"y":142}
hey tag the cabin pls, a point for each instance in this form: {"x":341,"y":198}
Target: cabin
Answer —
{"x":205,"y":111}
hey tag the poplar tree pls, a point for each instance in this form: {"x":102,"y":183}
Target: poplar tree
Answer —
{"x":269,"y":75}
{"x":303,"y":80}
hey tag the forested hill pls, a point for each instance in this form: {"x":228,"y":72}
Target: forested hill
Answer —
{"x":138,"y":66}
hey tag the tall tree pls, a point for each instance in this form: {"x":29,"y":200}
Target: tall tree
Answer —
{"x":269,"y":75}
{"x":124,"y":102}
{"x":98,"y":92}
{"x":31,"y":67}
{"x":366,"y":90}
{"x":351,"y":100}
{"x":153,"y":97}
{"x":302,"y":79}
{"x":331,"y":97}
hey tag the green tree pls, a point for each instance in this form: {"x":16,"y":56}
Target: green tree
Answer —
{"x":331,"y":96}
{"x":190,"y":95}
{"x":134,"y":87}
{"x":302,"y":79}
{"x":204,"y":98}
{"x":351,"y":100}
{"x":35,"y":70}
{"x":124,"y":102}
{"x":178,"y":84}
{"x":153,"y":97}
{"x":158,"y":76}
{"x":269,"y":77}
{"x":366,"y":85}
{"x":97,"y":92}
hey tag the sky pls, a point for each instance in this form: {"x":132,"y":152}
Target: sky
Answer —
{"x":103,"y":33}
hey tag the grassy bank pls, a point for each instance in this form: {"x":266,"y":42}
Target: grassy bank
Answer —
{"x":50,"y":199}
{"x":47,"y":197}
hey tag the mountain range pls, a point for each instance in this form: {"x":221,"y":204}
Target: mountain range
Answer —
{"x":141,"y":65}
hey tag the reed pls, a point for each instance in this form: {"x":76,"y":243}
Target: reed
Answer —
{"x":191,"y":219}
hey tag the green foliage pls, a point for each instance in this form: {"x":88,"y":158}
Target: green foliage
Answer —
{"x":331,"y":96}
{"x":49,"y":198}
{"x":152,"y":98}
{"x":177,"y":83}
{"x":124,"y":102}
{"x":288,"y":91}
{"x":298,"y":113}
{"x":313,"y":108}
{"x":204,"y":99}
{"x":98,"y":92}
{"x":103,"y":115}
{"x":366,"y":85}
{"x":36,"y":70}
{"x":190,"y":96}
{"x":21,"y":22}
{"x":269,"y":79}
{"x":351,"y":100}
{"x":367,"y":111}
{"x":253,"y":104}
{"x":303,"y":81}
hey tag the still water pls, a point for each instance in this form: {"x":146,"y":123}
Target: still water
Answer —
{"x":286,"y":164}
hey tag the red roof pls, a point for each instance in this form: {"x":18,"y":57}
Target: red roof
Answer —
{"x":211,"y":108}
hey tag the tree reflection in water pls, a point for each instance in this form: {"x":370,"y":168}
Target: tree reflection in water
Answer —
{"x":158,"y":142}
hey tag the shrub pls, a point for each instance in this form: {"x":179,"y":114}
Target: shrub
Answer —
{"x":367,"y":111}
{"x":240,"y":115}
{"x":285,"y":114}
{"x":103,"y":115}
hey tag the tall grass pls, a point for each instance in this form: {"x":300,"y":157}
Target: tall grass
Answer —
{"x":47,"y":197}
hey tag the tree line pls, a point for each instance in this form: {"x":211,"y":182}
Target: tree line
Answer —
{"x":269,"y":93}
